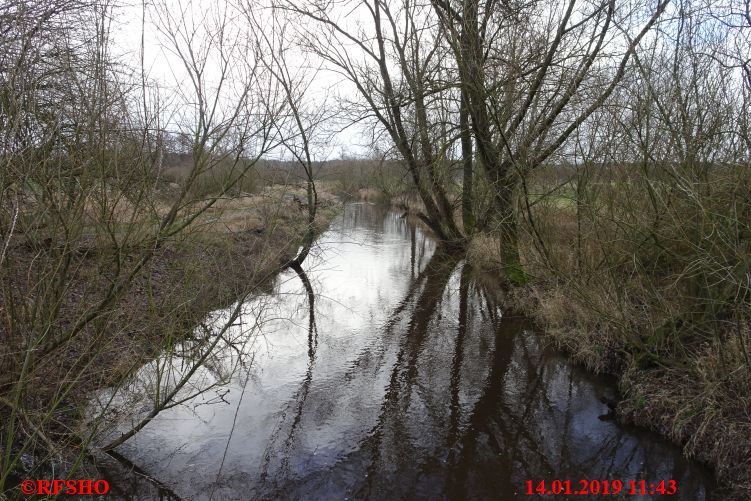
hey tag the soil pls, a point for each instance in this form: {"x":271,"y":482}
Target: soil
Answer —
{"x":237,"y":249}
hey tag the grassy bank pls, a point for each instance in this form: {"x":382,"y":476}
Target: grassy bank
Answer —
{"x":700,"y":399}
{"x":233,"y":249}
{"x":643,"y":272}
{"x":648,"y":280}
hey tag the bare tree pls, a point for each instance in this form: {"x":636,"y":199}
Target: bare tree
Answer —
{"x":533,"y":73}
{"x":80,"y":154}
{"x":394,"y":57}
{"x":520,"y":77}
{"x":301,"y":126}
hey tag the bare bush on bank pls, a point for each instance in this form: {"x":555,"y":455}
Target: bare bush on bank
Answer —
{"x":599,"y":150}
{"x":87,"y":225}
{"x":646,"y":271}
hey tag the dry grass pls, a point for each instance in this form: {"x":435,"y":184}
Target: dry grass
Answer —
{"x":235,"y":247}
{"x":214,"y":180}
{"x":483,"y":252}
{"x":628,"y":288}
{"x":370,"y":195}
{"x":706,"y":406}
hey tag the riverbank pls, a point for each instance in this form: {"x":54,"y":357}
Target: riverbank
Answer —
{"x":233,"y":249}
{"x":699,"y":399}
{"x":384,"y":332}
{"x":693,"y":388}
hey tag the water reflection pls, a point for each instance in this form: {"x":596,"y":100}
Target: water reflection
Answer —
{"x":279,"y":449}
{"x":385,"y":371}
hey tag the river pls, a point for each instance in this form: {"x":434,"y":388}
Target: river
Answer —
{"x":385,"y":371}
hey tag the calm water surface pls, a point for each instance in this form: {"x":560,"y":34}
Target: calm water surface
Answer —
{"x":384,"y":371}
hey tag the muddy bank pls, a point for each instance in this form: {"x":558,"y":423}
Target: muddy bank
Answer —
{"x":235,"y":248}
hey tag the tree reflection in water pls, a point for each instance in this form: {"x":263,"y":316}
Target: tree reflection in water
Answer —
{"x":400,"y":378}
{"x":473,"y":408}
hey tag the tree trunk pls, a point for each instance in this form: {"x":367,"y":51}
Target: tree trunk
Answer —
{"x":310,"y":233}
{"x":508,"y":233}
{"x":468,"y":216}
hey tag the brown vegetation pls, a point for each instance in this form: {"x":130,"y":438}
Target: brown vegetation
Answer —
{"x":103,"y":262}
{"x":236,"y":246}
{"x":629,"y":288}
{"x":598,"y":152}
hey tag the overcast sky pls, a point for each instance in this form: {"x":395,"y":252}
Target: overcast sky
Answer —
{"x":164,"y":67}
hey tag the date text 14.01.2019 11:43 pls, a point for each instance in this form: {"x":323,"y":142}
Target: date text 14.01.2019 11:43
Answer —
{"x":604,"y":487}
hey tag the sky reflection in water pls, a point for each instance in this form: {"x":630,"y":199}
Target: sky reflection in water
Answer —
{"x":406,"y":382}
